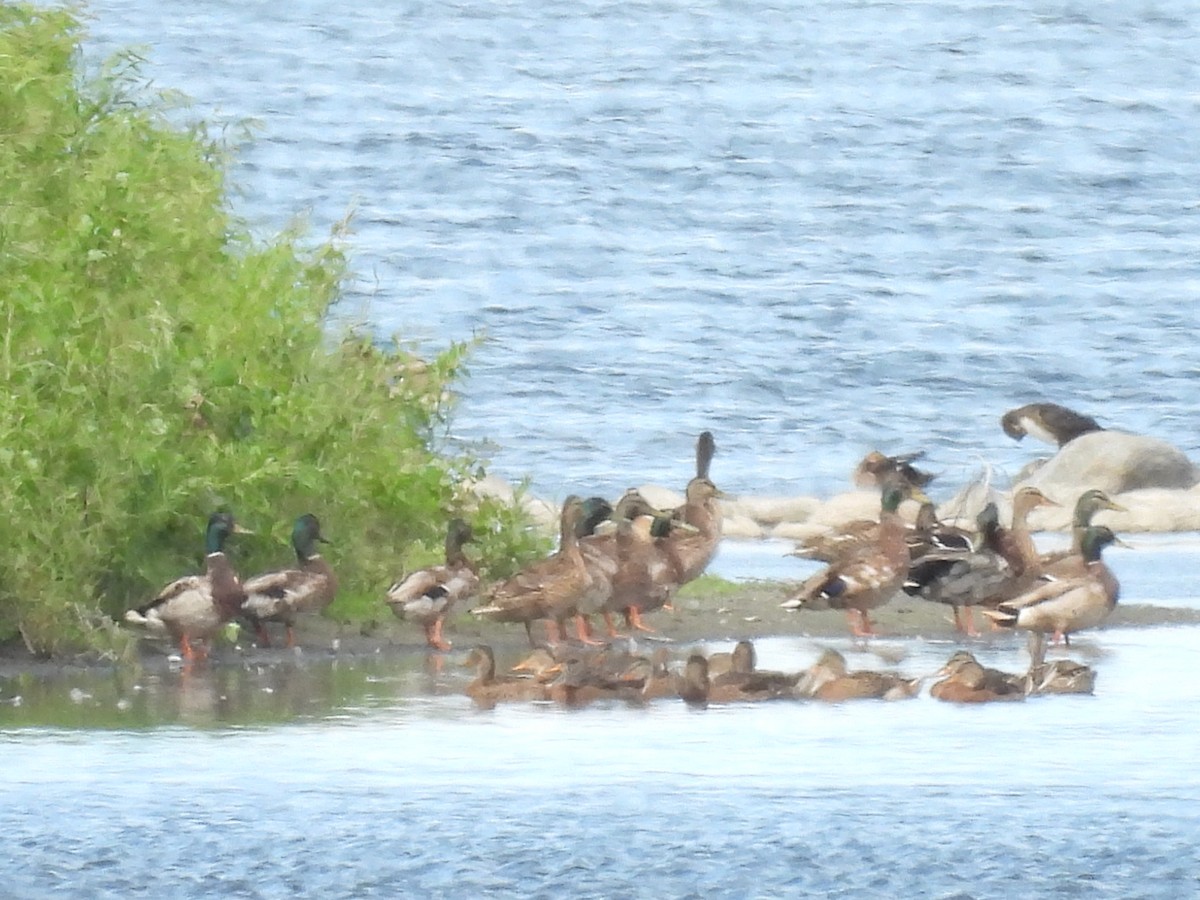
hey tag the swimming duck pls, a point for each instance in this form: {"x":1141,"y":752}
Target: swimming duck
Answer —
{"x":548,"y":589}
{"x":868,"y":576}
{"x":1062,"y":676}
{"x":691,"y":550}
{"x":279,"y":596}
{"x":875,"y":468}
{"x":829,"y":679}
{"x":1071,"y":596}
{"x":964,"y":680}
{"x":488,"y":689}
{"x":428,"y":595}
{"x":196,"y":606}
{"x":1047,"y":422}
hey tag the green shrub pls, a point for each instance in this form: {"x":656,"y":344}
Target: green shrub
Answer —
{"x":158,"y":363}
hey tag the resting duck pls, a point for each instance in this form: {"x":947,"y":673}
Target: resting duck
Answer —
{"x":1071,"y":596}
{"x":428,"y":595}
{"x":548,"y":589}
{"x":488,"y":689}
{"x":696,"y":688}
{"x":830,"y":680}
{"x":196,"y":606}
{"x":1047,"y":422}
{"x":867,"y":577}
{"x":1063,"y":676}
{"x":693,"y":550}
{"x":964,"y":680}
{"x":875,"y":468}
{"x":744,"y":673}
{"x":279,"y":596}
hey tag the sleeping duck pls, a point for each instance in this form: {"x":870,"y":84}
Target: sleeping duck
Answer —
{"x":195,"y":607}
{"x":829,"y":679}
{"x":428,"y":595}
{"x":965,"y":680}
{"x":281,"y":595}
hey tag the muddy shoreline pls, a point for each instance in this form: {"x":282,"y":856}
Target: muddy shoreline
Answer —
{"x":731,"y":612}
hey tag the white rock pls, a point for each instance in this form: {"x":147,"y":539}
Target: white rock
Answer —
{"x":1114,"y":462}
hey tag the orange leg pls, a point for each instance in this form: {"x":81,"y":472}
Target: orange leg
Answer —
{"x":583,"y":630}
{"x":964,"y":621}
{"x":860,"y":625}
{"x":612,"y":629}
{"x":433,"y":636}
{"x":635,"y":620}
{"x":291,"y":636}
{"x":185,"y":648}
{"x":264,"y":639}
{"x":553,"y":632}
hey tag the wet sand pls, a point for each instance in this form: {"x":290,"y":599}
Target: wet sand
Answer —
{"x":709,"y":612}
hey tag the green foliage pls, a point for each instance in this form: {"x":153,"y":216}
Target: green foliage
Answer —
{"x":159,"y":364}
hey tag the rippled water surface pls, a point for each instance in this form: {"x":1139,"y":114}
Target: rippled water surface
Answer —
{"x":813,"y":228}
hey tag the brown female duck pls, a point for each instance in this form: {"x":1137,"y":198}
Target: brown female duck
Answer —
{"x":428,"y":595}
{"x":693,"y":550}
{"x":550,"y":588}
{"x":830,"y":680}
{"x":488,"y":688}
{"x":867,"y":577}
{"x":196,"y":606}
{"x":1062,"y":676}
{"x":744,"y":673}
{"x":964,"y":680}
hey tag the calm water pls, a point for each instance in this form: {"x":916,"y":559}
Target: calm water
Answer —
{"x":815,"y":229}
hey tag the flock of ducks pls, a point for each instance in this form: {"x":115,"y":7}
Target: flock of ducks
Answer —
{"x":628,"y":559}
{"x":578,"y":677}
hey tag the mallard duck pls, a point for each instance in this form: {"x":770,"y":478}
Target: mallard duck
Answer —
{"x":1070,"y":596}
{"x":428,"y":595}
{"x":1047,"y":422}
{"x":927,"y":534}
{"x":744,"y":673}
{"x":875,"y":468}
{"x":695,"y":688}
{"x":279,"y":596}
{"x":550,"y":588}
{"x":196,"y":606}
{"x":964,"y":680}
{"x":1086,"y":507}
{"x":1062,"y":676}
{"x":626,"y":564}
{"x":691,"y":550}
{"x":488,"y":689}
{"x":829,"y":679}
{"x":649,"y":571}
{"x":984,"y":575}
{"x":661,"y":681}
{"x":867,"y":577}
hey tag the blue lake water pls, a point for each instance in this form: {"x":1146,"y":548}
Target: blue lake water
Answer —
{"x":814,"y":229}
